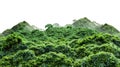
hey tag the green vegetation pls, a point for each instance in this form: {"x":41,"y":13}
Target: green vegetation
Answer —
{"x":82,"y":44}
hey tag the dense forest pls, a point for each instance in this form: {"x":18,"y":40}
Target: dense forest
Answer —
{"x":84,"y":43}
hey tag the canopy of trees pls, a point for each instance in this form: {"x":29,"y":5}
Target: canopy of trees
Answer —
{"x":82,"y":44}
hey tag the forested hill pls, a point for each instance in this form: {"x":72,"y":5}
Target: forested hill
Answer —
{"x":84,"y":43}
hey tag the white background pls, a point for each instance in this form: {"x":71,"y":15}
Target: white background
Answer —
{"x":42,"y":12}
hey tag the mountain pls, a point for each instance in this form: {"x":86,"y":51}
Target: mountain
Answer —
{"x":108,"y":28}
{"x":86,"y":23}
{"x":20,"y":27}
{"x":81,"y":44}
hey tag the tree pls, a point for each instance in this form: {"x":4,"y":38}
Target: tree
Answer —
{"x":102,"y":59}
{"x":12,"y":40}
{"x":48,"y":26}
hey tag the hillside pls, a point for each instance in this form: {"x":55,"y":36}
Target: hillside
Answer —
{"x":81,"y":44}
{"x":86,"y":23}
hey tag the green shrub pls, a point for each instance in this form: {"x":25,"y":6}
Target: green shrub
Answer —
{"x":82,"y":52}
{"x":38,"y":50}
{"x":112,"y":48}
{"x":102,"y":59}
{"x":99,"y":39}
{"x":12,"y":40}
{"x":25,"y":55}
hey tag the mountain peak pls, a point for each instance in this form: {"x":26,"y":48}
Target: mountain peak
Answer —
{"x":24,"y":22}
{"x":82,"y":20}
{"x":108,"y":28}
{"x":22,"y":26}
{"x":84,"y":23}
{"x":85,"y":19}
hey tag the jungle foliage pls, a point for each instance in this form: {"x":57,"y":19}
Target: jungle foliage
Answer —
{"x":82,"y":44}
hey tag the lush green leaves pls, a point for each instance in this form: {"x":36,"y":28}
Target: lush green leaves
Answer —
{"x":102,"y":59}
{"x":81,"y":44}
